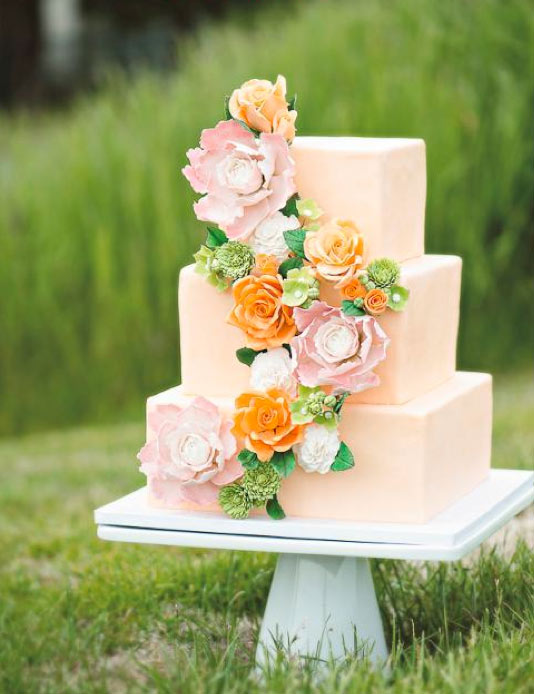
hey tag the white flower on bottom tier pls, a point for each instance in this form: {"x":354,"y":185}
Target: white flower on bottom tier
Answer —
{"x":272,"y":369}
{"x":268,"y":237}
{"x":318,"y":449}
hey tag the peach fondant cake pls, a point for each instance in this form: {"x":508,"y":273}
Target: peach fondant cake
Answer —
{"x":318,"y":340}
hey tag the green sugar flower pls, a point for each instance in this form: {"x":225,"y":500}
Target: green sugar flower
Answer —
{"x":261,"y":483}
{"x":235,"y":501}
{"x":314,"y":405}
{"x":309,"y":208}
{"x":204,"y":267}
{"x":301,"y":287}
{"x":397,"y":297}
{"x":233,"y":259}
{"x":383,"y":273}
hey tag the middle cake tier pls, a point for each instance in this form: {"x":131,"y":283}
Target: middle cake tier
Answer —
{"x":421,"y":354}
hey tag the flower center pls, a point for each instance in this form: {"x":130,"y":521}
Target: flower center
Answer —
{"x":240,"y":173}
{"x":267,"y":418}
{"x":194,"y":451}
{"x":335,"y":341}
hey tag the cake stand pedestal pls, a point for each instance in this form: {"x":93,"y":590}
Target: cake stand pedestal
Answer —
{"x":322,"y":601}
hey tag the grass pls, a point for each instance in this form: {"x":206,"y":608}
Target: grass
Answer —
{"x":95,"y":218}
{"x":80,"y":615}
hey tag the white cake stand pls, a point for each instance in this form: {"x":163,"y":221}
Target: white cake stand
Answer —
{"x":322,"y":601}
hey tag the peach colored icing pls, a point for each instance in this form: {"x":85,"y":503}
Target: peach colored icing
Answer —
{"x":421,"y":355}
{"x":379,"y":183}
{"x":412,"y":460}
{"x":422,"y":438}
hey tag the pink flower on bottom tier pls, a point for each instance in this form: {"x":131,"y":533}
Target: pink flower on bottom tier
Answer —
{"x":245,"y":179}
{"x":335,"y":349}
{"x":193,"y":446}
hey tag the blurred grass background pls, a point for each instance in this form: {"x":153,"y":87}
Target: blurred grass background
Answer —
{"x":95,"y":218}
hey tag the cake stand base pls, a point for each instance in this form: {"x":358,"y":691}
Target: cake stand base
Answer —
{"x":322,"y":607}
{"x":322,"y":602}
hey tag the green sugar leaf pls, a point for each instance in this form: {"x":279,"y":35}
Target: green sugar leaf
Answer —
{"x":290,"y":264}
{"x":248,"y":459}
{"x":340,"y":400}
{"x":246,"y":355}
{"x":290,"y":208}
{"x":295,"y":241}
{"x":274,"y":509}
{"x":349,"y":308}
{"x":292,"y":103}
{"x":283,"y":463}
{"x":216,"y":237}
{"x":344,"y":459}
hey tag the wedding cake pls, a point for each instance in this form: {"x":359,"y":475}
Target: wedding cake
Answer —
{"x":317,"y":339}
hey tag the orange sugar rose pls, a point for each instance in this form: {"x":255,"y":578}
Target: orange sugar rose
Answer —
{"x":262,"y":106}
{"x":262,"y":423}
{"x":375,"y":302}
{"x":336,"y":250}
{"x":260,"y":313}
{"x":265,"y":265}
{"x":353,"y":289}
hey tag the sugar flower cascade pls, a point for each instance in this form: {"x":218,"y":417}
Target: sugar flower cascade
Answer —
{"x":276,"y":253}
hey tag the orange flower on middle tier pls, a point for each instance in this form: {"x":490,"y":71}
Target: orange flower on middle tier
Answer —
{"x":262,"y":422}
{"x":353,"y":289}
{"x":260,"y":313}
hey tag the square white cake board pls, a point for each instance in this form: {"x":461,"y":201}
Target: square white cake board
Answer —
{"x":322,"y":593}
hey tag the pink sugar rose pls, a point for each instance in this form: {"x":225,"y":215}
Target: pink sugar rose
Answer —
{"x":335,"y":349}
{"x":193,"y":446}
{"x":244,"y":179}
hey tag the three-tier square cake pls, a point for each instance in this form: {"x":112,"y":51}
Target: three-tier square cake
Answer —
{"x":317,"y":339}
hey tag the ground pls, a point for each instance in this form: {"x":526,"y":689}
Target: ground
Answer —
{"x":81,"y":615}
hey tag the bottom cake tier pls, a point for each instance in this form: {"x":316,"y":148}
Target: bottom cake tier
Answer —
{"x":412,"y":460}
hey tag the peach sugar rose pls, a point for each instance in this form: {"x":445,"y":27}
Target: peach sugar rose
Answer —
{"x":265,"y":265}
{"x":336,"y":250}
{"x":260,"y":313}
{"x":262,"y":106}
{"x":375,"y":302}
{"x":353,"y":289}
{"x":262,"y":422}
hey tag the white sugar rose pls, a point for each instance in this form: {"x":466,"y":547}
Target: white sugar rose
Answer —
{"x":268,"y":237}
{"x":318,"y":449}
{"x":272,"y":369}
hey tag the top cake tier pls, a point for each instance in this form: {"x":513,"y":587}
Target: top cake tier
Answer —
{"x":379,"y":183}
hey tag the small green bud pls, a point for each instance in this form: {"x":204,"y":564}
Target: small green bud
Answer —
{"x":330,"y":401}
